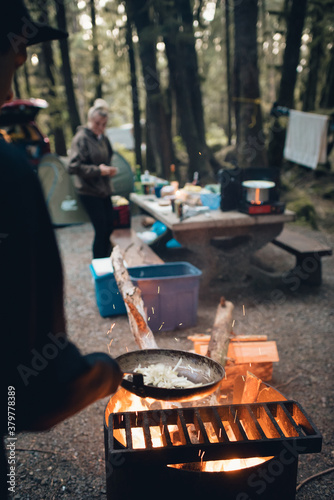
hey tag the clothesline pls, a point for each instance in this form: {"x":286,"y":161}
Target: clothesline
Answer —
{"x":284,"y":111}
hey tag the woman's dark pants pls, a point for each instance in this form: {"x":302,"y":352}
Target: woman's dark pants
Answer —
{"x":100,"y":211}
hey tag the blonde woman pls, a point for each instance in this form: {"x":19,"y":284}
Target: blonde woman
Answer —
{"x":90,"y":163}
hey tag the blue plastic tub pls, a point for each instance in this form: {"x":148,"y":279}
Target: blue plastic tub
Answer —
{"x":108,"y":298}
{"x":170,"y":294}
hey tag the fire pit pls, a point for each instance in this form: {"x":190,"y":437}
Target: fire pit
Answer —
{"x":165,"y":449}
{"x":251,"y":450}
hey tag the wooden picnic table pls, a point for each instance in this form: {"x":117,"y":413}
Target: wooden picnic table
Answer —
{"x":237,"y":235}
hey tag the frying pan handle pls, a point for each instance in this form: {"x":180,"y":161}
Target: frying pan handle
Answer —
{"x":137,"y":382}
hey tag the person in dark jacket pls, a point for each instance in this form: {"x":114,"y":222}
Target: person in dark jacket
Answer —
{"x":90,"y":159}
{"x":44,"y":378}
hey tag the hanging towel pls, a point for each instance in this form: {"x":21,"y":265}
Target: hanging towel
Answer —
{"x":306,"y":138}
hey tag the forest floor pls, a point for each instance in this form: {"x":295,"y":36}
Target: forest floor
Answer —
{"x":67,"y":462}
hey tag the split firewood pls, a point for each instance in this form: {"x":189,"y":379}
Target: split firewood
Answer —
{"x":249,"y":338}
{"x":269,"y":394}
{"x":246,"y":389}
{"x":133,"y":302}
{"x":221,"y":332}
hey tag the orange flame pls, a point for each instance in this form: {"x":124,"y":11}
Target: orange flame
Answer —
{"x":125,"y":401}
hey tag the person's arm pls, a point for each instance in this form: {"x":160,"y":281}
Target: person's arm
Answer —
{"x":52,"y":379}
{"x":79,"y":162}
{"x":112,"y":171}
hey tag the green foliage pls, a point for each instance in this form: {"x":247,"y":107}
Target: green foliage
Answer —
{"x":210,"y":40}
{"x":216,"y":137}
{"x":305,"y":211}
{"x":329,"y":193}
{"x":179,"y":144}
{"x":127,"y":154}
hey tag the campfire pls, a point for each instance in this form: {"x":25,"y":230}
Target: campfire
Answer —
{"x":155,"y":425}
{"x":239,"y":444}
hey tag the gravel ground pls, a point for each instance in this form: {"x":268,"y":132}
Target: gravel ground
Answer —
{"x":67,"y":462}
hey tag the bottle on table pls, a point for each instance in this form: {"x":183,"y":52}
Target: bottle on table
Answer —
{"x":147,"y":183}
{"x":172,"y":178}
{"x":195,"y":181}
{"x":138,"y":187}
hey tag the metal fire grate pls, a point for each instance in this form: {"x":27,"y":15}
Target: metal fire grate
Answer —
{"x":215,"y":432}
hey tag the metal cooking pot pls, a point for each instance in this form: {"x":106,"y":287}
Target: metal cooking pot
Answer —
{"x":196,"y":368}
{"x":258,"y":190}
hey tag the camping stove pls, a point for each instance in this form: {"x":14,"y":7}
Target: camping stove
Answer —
{"x":260,"y":197}
{"x":268,"y":207}
{"x":167,"y":453}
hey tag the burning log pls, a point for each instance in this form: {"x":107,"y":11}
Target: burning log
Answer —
{"x":246,"y":389}
{"x":221,"y":332}
{"x":133,"y":303}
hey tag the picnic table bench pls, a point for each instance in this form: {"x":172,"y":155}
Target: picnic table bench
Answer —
{"x":136,"y":252}
{"x":308,"y":252}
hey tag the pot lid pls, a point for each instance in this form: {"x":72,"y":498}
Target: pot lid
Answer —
{"x":259,"y":184}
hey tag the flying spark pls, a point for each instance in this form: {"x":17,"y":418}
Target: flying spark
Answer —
{"x":110,"y":345}
{"x":111,"y":328}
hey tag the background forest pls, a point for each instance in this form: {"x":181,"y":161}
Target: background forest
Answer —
{"x":197,"y":79}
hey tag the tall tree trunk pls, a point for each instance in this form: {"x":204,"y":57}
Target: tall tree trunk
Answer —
{"x":316,"y":54}
{"x":56,"y":121}
{"x":187,"y":42}
{"x":291,"y":53}
{"x":176,"y":23}
{"x":16,"y":86}
{"x":289,"y":75}
{"x":55,"y":113}
{"x":228,"y":72}
{"x":96,"y":59}
{"x":157,"y":126}
{"x":26,"y":79}
{"x":327,"y":94}
{"x":250,"y":135}
{"x":135,"y":95}
{"x":188,"y":128}
{"x":193,"y":77}
{"x":67,"y":71}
